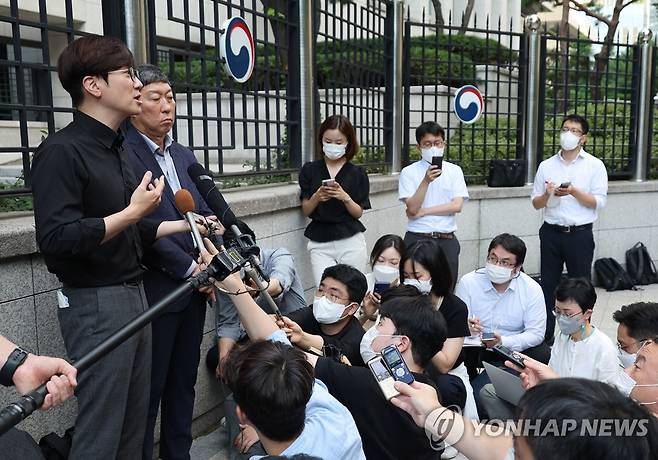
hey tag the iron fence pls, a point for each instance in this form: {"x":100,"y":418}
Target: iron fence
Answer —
{"x":30,"y":108}
{"x":606,"y":97}
{"x":354,"y":72}
{"x":235,"y":129}
{"x":438,"y":60}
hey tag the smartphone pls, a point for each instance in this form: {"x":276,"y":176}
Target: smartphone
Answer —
{"x":329,"y":182}
{"x":380,"y":288}
{"x":396,"y":365}
{"x":509,"y":355}
{"x":437,"y":161}
{"x":488,"y":336}
{"x":384,"y":378}
{"x":565,"y":184}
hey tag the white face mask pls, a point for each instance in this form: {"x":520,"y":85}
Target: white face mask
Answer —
{"x":334,"y":151}
{"x":498,"y":274}
{"x":427,"y":154}
{"x":385,"y":273}
{"x":569,"y":141}
{"x":424,"y":286}
{"x":365,"y":348}
{"x":627,"y":359}
{"x":326,"y":311}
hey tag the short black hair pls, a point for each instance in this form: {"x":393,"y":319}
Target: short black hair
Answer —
{"x":640,"y":318}
{"x":417,"y":318}
{"x":510,"y":243}
{"x":402,"y":290}
{"x":578,"y":119}
{"x":90,"y":55}
{"x":271,"y":382}
{"x":385,"y":242}
{"x":430,"y":255}
{"x":355,"y":282}
{"x":554,"y":402}
{"x":429,"y":127}
{"x":580,"y":290}
{"x":149,"y":73}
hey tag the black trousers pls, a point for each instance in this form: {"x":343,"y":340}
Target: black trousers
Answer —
{"x":451,"y":248}
{"x":576,"y":250}
{"x":176,"y":352}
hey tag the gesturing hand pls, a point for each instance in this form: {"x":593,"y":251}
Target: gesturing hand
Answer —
{"x":147,"y":195}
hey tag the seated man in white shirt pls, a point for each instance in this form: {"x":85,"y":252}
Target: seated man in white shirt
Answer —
{"x":580,"y":349}
{"x":433,"y":194}
{"x":503,"y":302}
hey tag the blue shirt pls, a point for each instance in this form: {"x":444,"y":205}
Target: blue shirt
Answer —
{"x":276,"y":263}
{"x":329,"y":430}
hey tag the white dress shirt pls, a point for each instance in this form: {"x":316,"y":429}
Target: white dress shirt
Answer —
{"x":518,"y":314}
{"x":586,"y":173}
{"x":594,"y":357}
{"x":449,"y":185}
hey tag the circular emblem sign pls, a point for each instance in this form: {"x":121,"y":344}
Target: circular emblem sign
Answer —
{"x":237,"y":48}
{"x":468,"y":104}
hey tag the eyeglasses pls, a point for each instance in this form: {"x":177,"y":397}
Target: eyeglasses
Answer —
{"x":134,"y":74}
{"x":332,"y":298}
{"x":624,"y":347}
{"x":427,"y":145}
{"x":557,"y":313}
{"x":503,"y":263}
{"x":573,"y":130}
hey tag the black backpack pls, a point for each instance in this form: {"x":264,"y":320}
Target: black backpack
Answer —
{"x":611,"y":275}
{"x":639,"y":265}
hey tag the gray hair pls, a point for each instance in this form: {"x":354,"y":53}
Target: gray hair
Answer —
{"x":149,"y":73}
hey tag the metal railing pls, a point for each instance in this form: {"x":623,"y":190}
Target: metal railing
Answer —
{"x":353,"y":58}
{"x":438,"y":60}
{"x":386,"y":74}
{"x":28,"y":86}
{"x":571,"y":84}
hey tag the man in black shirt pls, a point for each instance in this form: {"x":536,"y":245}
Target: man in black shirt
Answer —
{"x":88,"y":209}
{"x":330,"y":320}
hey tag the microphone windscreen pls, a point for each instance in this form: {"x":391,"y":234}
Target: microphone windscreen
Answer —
{"x":184,"y":201}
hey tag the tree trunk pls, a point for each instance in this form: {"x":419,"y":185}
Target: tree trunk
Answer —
{"x":601,"y":59}
{"x":467,"y":16}
{"x":438,"y":16}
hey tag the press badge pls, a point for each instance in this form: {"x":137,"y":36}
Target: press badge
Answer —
{"x":62,"y":300}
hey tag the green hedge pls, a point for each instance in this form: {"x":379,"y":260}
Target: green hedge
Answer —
{"x":359,"y":62}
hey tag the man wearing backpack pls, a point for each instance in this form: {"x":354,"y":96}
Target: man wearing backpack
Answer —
{"x":571,"y":186}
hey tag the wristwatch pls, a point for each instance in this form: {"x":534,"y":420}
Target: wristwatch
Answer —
{"x":15,"y":359}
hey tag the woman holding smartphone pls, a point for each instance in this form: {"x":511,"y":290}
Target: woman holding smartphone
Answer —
{"x":334,"y":193}
{"x":425,"y":266}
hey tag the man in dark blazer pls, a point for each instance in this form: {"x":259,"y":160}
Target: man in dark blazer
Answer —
{"x":177,"y":333}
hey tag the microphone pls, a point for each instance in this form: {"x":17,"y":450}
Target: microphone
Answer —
{"x":220,"y":207}
{"x":213,"y":197}
{"x":185,"y":205}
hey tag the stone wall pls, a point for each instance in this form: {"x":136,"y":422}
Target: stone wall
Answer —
{"x":28,"y":300}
